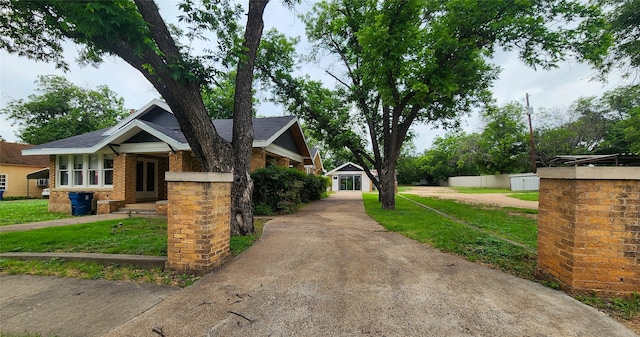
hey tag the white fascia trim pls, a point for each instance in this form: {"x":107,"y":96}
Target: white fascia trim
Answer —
{"x":56,"y":150}
{"x":343,"y":165}
{"x":142,"y":126}
{"x":143,"y":148}
{"x":280,"y":151}
{"x":144,"y":109}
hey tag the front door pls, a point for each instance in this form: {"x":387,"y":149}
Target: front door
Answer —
{"x":146,"y":179}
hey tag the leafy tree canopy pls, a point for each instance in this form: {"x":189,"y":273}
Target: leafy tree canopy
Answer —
{"x":62,"y":109}
{"x":624,"y":20}
{"x":399,"y":62}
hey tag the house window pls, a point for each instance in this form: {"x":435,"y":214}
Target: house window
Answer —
{"x":107,"y":169}
{"x":63,"y":170}
{"x":78,"y":171}
{"x":3,"y":181}
{"x":95,"y":170}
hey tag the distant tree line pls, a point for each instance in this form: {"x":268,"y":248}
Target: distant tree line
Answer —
{"x":592,"y":125}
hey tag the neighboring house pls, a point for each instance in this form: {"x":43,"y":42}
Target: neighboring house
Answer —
{"x":14,"y":168}
{"x":126,"y":164}
{"x":350,"y":177}
{"x":316,"y":167}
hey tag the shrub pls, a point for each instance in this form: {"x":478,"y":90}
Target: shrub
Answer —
{"x":282,"y":190}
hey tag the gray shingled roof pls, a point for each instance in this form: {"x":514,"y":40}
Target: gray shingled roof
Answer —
{"x":264,"y":129}
{"x":81,"y":141}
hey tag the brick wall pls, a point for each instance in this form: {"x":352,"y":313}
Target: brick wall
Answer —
{"x":183,"y":161}
{"x":258,"y":158}
{"x":124,"y":178}
{"x":198,"y":218}
{"x":589,"y":229}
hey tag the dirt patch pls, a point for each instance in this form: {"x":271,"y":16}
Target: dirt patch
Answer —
{"x":493,"y":199}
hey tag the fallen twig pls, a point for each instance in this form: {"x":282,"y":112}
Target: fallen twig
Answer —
{"x":241,"y":315}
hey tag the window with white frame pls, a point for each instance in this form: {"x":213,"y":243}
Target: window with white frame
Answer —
{"x":95,"y":170}
{"x":3,"y":181}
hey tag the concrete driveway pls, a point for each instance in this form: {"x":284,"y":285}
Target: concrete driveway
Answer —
{"x":332,"y":271}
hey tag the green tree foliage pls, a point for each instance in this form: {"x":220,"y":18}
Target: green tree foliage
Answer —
{"x":503,"y":143}
{"x":597,"y":125}
{"x":456,"y":154}
{"x":62,"y":109}
{"x":624,"y":18}
{"x":405,"y":62}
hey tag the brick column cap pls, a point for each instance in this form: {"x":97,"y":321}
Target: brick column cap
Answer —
{"x":594,"y":173}
{"x":209,"y":177}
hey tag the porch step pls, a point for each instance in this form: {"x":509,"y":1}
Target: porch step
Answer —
{"x":142,"y":209}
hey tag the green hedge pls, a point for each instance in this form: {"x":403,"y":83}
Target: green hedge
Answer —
{"x":281,"y":190}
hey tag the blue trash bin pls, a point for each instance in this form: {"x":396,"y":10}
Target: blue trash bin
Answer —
{"x":80,"y":202}
{"x":1,"y":193}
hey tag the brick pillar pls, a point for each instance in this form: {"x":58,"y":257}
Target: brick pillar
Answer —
{"x":198,"y":220}
{"x":589,"y":229}
{"x":282,"y":162}
{"x":124,"y":178}
{"x":258,"y":158}
{"x":178,"y":162}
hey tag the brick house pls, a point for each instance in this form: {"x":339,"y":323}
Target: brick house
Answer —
{"x":126,"y":164}
{"x":14,"y":169}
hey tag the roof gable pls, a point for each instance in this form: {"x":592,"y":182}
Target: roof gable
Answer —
{"x":346,"y":167}
{"x":155,"y":123}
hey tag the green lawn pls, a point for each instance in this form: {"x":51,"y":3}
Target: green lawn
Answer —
{"x":139,"y":236}
{"x":528,"y":196}
{"x":500,"y":222}
{"x":25,"y":211}
{"x":448,"y":235}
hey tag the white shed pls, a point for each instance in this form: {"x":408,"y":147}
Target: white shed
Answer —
{"x":349,"y":177}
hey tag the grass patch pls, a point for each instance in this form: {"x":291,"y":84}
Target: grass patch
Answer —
{"x":428,"y":227}
{"x":26,"y":211}
{"x":93,"y":271}
{"x":625,"y":308}
{"x":527,"y":196}
{"x":241,"y":243}
{"x":500,"y":222}
{"x":138,"y":236}
{"x":480,"y":190}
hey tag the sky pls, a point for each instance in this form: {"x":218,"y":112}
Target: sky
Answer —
{"x":555,"y":89}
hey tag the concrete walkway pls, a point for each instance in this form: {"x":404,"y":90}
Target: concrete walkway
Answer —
{"x":330,"y":270}
{"x":67,"y":307}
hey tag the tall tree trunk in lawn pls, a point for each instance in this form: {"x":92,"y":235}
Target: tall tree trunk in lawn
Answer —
{"x":242,"y":188}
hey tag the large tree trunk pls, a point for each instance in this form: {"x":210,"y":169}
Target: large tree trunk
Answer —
{"x":183,"y":97}
{"x":242,"y":188}
{"x":387,"y":192}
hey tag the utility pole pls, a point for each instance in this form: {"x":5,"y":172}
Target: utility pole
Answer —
{"x":531,"y":142}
